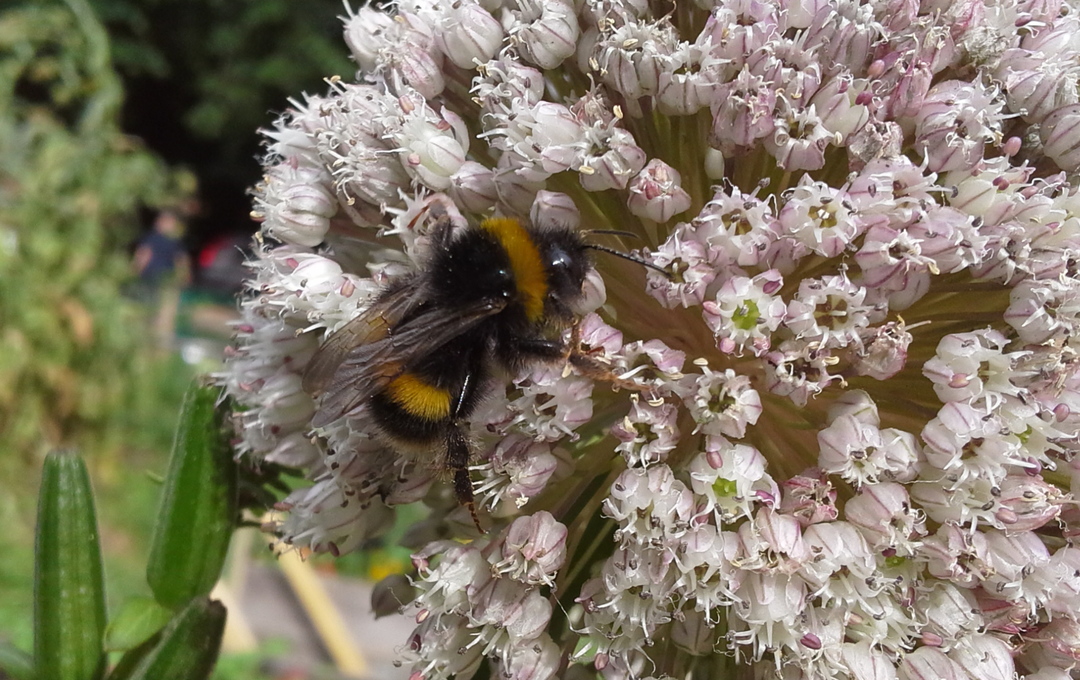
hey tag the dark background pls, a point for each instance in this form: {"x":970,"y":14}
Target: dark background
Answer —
{"x":203,"y":76}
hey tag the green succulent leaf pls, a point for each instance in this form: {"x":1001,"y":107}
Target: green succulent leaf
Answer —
{"x":136,"y":622}
{"x":69,"y":589}
{"x":187,"y":648}
{"x":199,"y":507}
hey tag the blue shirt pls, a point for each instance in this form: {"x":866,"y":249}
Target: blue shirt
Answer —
{"x":164,"y":252}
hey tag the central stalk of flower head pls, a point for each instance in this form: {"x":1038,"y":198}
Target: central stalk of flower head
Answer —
{"x":844,"y":435}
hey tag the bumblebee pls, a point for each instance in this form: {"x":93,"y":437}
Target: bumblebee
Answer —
{"x":492,"y":299}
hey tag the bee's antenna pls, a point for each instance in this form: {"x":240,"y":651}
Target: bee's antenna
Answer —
{"x":628,"y":256}
{"x":613,"y":232}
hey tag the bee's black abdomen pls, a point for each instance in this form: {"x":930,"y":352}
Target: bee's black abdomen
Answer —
{"x":418,"y":406}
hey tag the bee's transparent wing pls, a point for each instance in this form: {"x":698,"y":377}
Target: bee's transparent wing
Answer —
{"x":369,"y":367}
{"x":371,"y":326}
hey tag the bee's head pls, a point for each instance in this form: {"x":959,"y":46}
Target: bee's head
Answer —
{"x":566,"y":264}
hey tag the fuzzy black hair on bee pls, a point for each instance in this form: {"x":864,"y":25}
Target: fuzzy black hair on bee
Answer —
{"x":492,"y":299}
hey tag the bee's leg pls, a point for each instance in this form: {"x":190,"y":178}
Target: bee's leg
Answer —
{"x":586,"y":364}
{"x":440,"y":233}
{"x":591,"y":367}
{"x":457,"y":459}
{"x":457,"y":449}
{"x":442,"y":224}
{"x":537,"y":348}
{"x":594,"y":369}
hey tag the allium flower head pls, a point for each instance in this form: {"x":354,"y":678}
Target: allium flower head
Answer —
{"x":839,"y":431}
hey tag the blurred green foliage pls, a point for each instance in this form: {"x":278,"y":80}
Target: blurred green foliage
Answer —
{"x":71,"y":186}
{"x":75,"y":366}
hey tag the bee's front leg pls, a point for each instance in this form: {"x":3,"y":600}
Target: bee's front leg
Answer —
{"x":591,"y":365}
{"x":542,"y":349}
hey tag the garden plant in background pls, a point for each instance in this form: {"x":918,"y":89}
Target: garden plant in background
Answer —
{"x":848,"y":450}
{"x":176,"y":633}
{"x":71,"y":185}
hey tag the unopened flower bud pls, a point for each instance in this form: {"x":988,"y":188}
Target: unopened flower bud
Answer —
{"x":714,"y":163}
{"x":554,"y":209}
{"x":984,"y":656}
{"x":511,"y":606}
{"x":295,"y":207}
{"x":1060,"y":133}
{"x":867,"y":661}
{"x":930,"y":663}
{"x":655,"y":193}
{"x":473,"y":187}
{"x":367,"y":31}
{"x":546,"y":32}
{"x":421,"y":71}
{"x":469,"y":33}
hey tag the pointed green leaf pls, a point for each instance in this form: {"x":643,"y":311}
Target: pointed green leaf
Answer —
{"x":15,"y":663}
{"x":189,"y":645}
{"x":132,"y":658}
{"x":199,"y":506}
{"x":69,"y":591}
{"x":135,"y":623}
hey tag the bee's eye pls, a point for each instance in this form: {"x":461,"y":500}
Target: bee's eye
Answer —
{"x":566,"y":266}
{"x":560,"y":259}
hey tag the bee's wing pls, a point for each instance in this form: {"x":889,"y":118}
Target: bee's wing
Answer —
{"x":371,"y":326}
{"x":369,"y":367}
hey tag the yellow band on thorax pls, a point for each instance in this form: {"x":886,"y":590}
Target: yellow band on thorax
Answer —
{"x":530,"y":280}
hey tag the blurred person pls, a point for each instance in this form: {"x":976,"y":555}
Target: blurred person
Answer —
{"x":164,"y":268}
